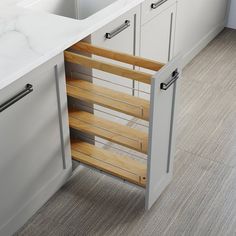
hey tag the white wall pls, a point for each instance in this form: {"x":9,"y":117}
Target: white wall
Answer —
{"x":7,"y":2}
{"x":232,"y":15}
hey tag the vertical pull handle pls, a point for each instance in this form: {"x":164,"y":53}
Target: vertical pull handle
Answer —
{"x":118,"y":30}
{"x":174,"y":78}
{"x":157,"y":4}
{"x":28,"y":89}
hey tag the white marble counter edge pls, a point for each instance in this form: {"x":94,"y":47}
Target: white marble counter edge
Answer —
{"x":15,"y":75}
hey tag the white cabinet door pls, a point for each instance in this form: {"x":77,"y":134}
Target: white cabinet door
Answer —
{"x":197,"y":23}
{"x":123,"y":37}
{"x":157,"y":36}
{"x":119,"y":35}
{"x":157,"y":40}
{"x":34,"y":148}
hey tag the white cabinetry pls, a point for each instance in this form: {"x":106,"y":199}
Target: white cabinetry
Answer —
{"x":198,"y":22}
{"x":120,"y":35}
{"x":231,"y":14}
{"x":157,"y":34}
{"x":35,"y":155}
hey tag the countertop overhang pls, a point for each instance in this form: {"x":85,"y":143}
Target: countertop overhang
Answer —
{"x":29,"y":38}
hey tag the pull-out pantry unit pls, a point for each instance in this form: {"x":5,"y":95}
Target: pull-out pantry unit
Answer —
{"x":148,"y":152}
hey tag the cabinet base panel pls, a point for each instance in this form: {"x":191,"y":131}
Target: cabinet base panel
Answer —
{"x":37,"y":201}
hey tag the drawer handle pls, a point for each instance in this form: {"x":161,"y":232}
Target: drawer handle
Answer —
{"x":28,"y":89}
{"x":118,"y":30}
{"x":174,"y":78}
{"x":157,"y":4}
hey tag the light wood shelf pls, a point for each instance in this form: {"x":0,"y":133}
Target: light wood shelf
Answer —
{"x":108,"y":67}
{"x":109,"y":98}
{"x":123,"y":167}
{"x":111,"y":131}
{"x":118,"y":56}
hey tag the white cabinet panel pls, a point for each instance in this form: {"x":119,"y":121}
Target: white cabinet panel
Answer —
{"x":198,"y":22}
{"x":157,"y":40}
{"x":231,"y":15}
{"x":157,"y":36}
{"x":125,"y":41}
{"x":34,"y":147}
{"x":122,"y":42}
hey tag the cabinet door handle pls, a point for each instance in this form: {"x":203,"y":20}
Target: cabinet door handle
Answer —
{"x":28,"y":89}
{"x":118,"y":30}
{"x":157,"y":4}
{"x":174,"y":78}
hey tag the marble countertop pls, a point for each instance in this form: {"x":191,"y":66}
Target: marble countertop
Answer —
{"x":29,"y":38}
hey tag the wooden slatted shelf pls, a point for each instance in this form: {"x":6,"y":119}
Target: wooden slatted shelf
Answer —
{"x":111,"y":131}
{"x":123,"y":167}
{"x":107,"y":67}
{"x":118,"y":56}
{"x":109,"y":98}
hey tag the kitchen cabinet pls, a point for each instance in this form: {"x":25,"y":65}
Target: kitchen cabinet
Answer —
{"x":151,"y":165}
{"x":157,"y":35}
{"x":231,"y":23}
{"x":197,"y":23}
{"x":122,"y":35}
{"x":35,"y":157}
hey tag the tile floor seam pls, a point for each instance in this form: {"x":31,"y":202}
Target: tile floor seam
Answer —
{"x":206,"y":158}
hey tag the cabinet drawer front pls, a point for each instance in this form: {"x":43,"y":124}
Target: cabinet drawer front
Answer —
{"x":151,"y":8}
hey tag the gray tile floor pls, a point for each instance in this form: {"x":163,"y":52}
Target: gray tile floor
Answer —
{"x":201,"y":200}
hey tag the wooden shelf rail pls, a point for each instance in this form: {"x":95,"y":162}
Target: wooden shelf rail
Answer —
{"x":123,"y":167}
{"x":89,"y":92}
{"x":117,"y":56}
{"x":111,"y":131}
{"x":107,"y":67}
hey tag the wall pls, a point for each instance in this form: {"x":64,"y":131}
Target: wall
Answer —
{"x":8,"y":2}
{"x":232,"y":15}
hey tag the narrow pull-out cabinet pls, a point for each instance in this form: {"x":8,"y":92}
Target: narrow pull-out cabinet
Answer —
{"x":148,"y":142}
{"x":162,"y":129}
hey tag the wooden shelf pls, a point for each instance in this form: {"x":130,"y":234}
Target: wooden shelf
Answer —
{"x":118,"y":56}
{"x":92,"y":63}
{"x":123,"y":167}
{"x":111,"y":131}
{"x":109,"y":98}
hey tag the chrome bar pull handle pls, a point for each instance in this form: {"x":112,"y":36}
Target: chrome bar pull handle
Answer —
{"x":118,"y":30}
{"x":28,"y":89}
{"x":157,"y":4}
{"x":174,"y":78}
